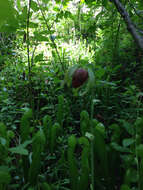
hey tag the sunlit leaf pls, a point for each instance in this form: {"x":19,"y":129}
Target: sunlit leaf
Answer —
{"x":38,"y":57}
{"x":18,"y":4}
{"x":34,"y":6}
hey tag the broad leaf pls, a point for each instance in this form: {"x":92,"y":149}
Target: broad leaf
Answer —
{"x":19,"y":150}
{"x":127,"y":142}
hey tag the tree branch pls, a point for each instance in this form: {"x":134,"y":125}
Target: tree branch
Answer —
{"x":130,"y":25}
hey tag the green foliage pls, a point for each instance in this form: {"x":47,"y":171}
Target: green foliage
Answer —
{"x":5,"y":178}
{"x":4,"y":143}
{"x":37,"y":146}
{"x":78,"y":179}
{"x":73,"y":171}
{"x":25,"y":132}
{"x":48,"y":139}
{"x":19,"y":150}
{"x":47,"y":125}
{"x":101,"y":158}
{"x":60,"y":112}
{"x":25,"y":125}
{"x":55,"y":131}
{"x":85,"y":169}
{"x":84,"y":122}
{"x":125,"y":187}
{"x":7,"y":12}
{"x":46,"y":186}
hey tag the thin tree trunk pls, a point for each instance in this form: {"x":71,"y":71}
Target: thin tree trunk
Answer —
{"x":130,"y":25}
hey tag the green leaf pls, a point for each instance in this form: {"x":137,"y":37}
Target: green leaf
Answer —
{"x":24,"y":13}
{"x":104,"y":2}
{"x":120,"y":148}
{"x":6,"y":10}
{"x":18,"y":4}
{"x":8,"y":19}
{"x":100,"y":72}
{"x":5,"y":177}
{"x":31,"y":188}
{"x":42,"y":38}
{"x":55,"y":130}
{"x":34,"y":6}
{"x":127,"y":142}
{"x":84,"y":176}
{"x":25,"y":125}
{"x":19,"y":150}
{"x":38,"y":57}
{"x":100,"y":152}
{"x":26,"y":143}
{"x":131,"y":176}
{"x":101,"y":128}
{"x":33,"y":25}
{"x":72,"y":162}
{"x":128,"y":127}
{"x":46,"y":186}
{"x":38,"y":144}
{"x":10,"y":134}
{"x":140,"y":150}
{"x":125,"y":187}
{"x":45,"y":1}
{"x":2,"y":141}
{"x":90,"y":136}
{"x":91,"y":79}
{"x":68,"y":75}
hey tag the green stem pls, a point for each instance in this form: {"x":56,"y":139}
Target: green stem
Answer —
{"x":92,"y":167}
{"x":28,"y":41}
{"x":28,"y":56}
{"x":137,"y":158}
{"x":92,"y":147}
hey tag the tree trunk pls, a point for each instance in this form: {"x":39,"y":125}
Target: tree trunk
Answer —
{"x":130,"y":25}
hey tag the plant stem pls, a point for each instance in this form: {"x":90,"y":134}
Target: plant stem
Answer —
{"x":92,"y":146}
{"x":28,"y":41}
{"x":28,"y":56}
{"x":137,"y":158}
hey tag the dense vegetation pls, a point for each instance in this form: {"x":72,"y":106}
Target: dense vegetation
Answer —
{"x":71,"y":108}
